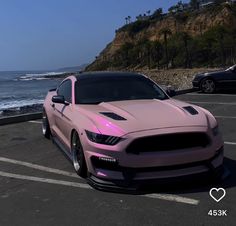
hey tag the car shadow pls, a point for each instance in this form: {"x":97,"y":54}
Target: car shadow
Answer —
{"x":231,"y":92}
{"x":196,"y":186}
{"x":227,"y":92}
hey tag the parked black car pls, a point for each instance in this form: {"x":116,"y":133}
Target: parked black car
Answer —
{"x":211,"y":81}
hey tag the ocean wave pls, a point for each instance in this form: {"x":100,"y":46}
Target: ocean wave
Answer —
{"x":30,"y":79}
{"x":4,"y":98}
{"x":19,"y":103}
{"x":41,"y":76}
{"x":45,"y":74}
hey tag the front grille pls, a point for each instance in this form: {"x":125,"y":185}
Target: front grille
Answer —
{"x":168,"y":142}
{"x":130,"y":170}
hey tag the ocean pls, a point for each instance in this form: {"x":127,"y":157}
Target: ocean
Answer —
{"x":23,"y":88}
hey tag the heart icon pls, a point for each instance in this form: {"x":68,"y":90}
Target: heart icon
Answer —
{"x":217,"y":193}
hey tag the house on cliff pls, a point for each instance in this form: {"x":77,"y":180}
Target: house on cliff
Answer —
{"x":205,"y":3}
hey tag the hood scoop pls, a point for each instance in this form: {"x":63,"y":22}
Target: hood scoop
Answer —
{"x":191,"y":110}
{"x":113,"y":116}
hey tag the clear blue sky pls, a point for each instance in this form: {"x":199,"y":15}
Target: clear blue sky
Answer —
{"x":49,"y":34}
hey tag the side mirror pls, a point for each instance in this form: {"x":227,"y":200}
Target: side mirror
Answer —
{"x":171,"y":92}
{"x":59,"y":100}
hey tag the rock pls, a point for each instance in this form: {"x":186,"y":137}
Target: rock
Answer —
{"x":21,"y":110}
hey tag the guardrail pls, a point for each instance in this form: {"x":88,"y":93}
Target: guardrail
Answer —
{"x":20,"y":118}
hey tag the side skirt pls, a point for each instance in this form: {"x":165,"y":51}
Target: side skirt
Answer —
{"x":62,"y":148}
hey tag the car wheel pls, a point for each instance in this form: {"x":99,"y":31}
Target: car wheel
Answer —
{"x":45,"y":126}
{"x":78,"y":158}
{"x":208,"y":86}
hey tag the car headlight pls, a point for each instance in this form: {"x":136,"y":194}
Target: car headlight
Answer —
{"x":215,"y":130}
{"x":198,"y":76}
{"x":102,"y":139}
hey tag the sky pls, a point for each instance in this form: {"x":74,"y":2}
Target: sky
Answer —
{"x":52,"y":34}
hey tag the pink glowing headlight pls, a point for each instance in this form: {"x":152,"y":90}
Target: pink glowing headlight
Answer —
{"x":102,"y":139}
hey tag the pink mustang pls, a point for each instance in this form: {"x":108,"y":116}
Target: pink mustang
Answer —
{"x":122,"y":129}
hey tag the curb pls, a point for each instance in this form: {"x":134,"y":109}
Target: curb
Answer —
{"x":184,"y":91}
{"x":20,"y":118}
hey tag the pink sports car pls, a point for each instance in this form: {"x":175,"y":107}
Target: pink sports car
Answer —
{"x":122,"y":129}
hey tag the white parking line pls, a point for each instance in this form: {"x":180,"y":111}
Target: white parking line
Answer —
{"x":213,"y":95}
{"x":174,"y":198}
{"x":230,"y":143}
{"x":166,"y":197}
{"x":227,"y":117}
{"x":37,"y":122}
{"x":39,"y":167}
{"x":45,"y":180}
{"x":217,"y":103}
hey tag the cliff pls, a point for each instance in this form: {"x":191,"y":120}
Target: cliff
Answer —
{"x":194,"y":23}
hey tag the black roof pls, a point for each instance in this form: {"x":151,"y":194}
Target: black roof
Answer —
{"x":106,"y":74}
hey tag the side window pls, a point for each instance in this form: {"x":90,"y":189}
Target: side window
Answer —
{"x":65,"y":89}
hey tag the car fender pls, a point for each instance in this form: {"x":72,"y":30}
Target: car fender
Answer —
{"x":207,"y":77}
{"x":47,"y":106}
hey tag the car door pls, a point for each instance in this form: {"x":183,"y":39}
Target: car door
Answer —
{"x":234,"y":77}
{"x":63,"y":112}
{"x":228,"y":79}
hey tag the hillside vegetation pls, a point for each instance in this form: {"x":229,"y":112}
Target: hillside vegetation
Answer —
{"x":191,"y":38}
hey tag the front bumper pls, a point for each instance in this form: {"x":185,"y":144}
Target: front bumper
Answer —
{"x":212,"y":169}
{"x":196,"y":84}
{"x":112,"y":164}
{"x":197,"y":81}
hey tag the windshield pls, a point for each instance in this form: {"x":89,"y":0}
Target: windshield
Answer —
{"x":97,"y":90}
{"x":232,"y":68}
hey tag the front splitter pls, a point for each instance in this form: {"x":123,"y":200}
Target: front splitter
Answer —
{"x":136,"y":186}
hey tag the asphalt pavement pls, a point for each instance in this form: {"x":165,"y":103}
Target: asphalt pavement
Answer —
{"x":39,"y":187}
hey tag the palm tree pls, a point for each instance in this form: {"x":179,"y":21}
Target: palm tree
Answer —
{"x":129,"y":19}
{"x":157,"y":13}
{"x":139,"y":17}
{"x":166,"y":32}
{"x":147,"y":52}
{"x":148,"y":12}
{"x":156,"y":52}
{"x":219,"y":33}
{"x":180,"y":6}
{"x":194,"y":4}
{"x":200,"y":27}
{"x":186,"y":37}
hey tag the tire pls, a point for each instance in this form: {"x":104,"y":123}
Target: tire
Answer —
{"x":78,"y":158}
{"x":45,"y":126}
{"x":208,"y":86}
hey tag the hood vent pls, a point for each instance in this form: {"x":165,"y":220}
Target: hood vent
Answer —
{"x":113,"y":116}
{"x":191,"y":110}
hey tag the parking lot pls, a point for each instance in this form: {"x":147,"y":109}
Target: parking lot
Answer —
{"x":39,"y":187}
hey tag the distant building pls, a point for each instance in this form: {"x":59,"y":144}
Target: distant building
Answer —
{"x":230,"y":2}
{"x":205,"y":3}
